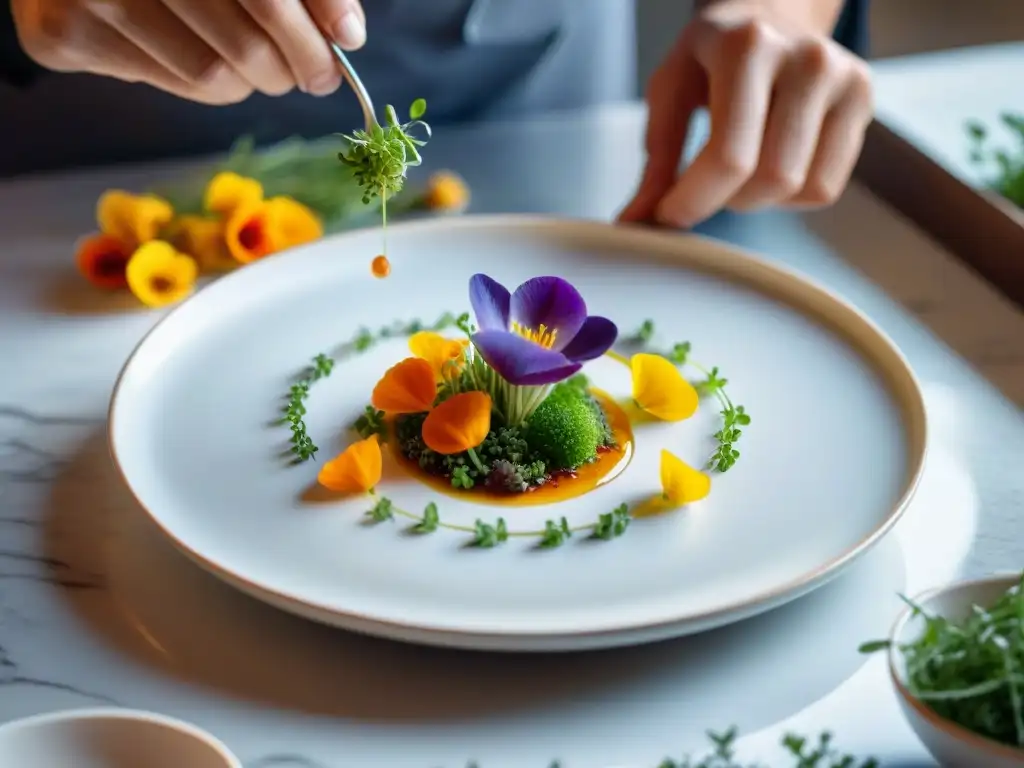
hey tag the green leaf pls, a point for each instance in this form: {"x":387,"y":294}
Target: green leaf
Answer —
{"x":382,"y":511}
{"x":418,"y":109}
{"x":874,"y":646}
{"x":430,"y":521}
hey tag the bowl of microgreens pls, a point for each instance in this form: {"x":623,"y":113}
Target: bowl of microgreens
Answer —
{"x":956,"y":657}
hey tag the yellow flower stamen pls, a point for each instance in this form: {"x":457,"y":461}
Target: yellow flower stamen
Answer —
{"x":543,"y":336}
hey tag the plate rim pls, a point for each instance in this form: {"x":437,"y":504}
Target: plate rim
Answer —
{"x":912,"y":407}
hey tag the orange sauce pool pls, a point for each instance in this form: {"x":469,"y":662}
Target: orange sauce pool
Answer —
{"x":610,"y":464}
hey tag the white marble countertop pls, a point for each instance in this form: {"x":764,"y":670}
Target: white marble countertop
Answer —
{"x":96,"y":607}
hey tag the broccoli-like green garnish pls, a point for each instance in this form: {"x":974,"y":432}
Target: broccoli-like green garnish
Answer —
{"x":564,"y":430}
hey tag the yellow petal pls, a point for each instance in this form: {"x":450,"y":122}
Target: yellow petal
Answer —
{"x":680,"y":483}
{"x":444,"y":355}
{"x":446,"y":191}
{"x":459,"y":423}
{"x":406,"y":387}
{"x":357,"y":469}
{"x":291,"y":223}
{"x":132,"y":219}
{"x":158,"y":275}
{"x":660,"y":389}
{"x":228,"y":191}
{"x":203,"y":238}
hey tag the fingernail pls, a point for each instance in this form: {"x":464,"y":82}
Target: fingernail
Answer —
{"x":350,"y":32}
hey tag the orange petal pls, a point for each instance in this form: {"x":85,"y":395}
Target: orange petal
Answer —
{"x":406,"y":387}
{"x":292,"y":223}
{"x":102,"y":260}
{"x":357,"y":469}
{"x":248,"y":234}
{"x":132,"y":219}
{"x":459,"y":423}
{"x":158,"y":275}
{"x":444,"y":355}
{"x":227,"y":192}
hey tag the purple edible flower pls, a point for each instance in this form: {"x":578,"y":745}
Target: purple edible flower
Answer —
{"x":540,"y":334}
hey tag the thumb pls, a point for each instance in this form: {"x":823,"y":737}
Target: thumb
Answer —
{"x":676,"y":90}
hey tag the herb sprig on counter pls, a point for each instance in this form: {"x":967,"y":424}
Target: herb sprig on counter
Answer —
{"x":972,"y":671}
{"x":1007,"y":164}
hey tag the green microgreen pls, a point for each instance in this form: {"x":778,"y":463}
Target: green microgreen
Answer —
{"x":971,"y":671}
{"x":555,"y":534}
{"x":381,"y":156}
{"x":371,"y":422}
{"x":1005,"y":164}
{"x":430,"y":520}
{"x":487,"y":536}
{"x":382,"y":511}
{"x":612,"y":524}
{"x":302,"y":445}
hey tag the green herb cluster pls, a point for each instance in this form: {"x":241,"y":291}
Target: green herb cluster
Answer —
{"x":380,"y":157}
{"x":1007,"y":164}
{"x":972,"y":671}
{"x":713,"y":384}
{"x":564,"y":433}
{"x":371,"y":422}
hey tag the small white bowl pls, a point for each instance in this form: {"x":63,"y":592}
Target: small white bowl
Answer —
{"x":109,"y":738}
{"x":950,"y":744}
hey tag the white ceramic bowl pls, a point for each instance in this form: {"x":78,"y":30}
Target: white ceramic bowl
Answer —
{"x":950,"y":744}
{"x":109,"y":738}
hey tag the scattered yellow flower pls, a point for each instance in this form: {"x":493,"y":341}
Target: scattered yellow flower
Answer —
{"x":444,"y":355}
{"x":660,"y":389}
{"x":227,"y":192}
{"x":446,"y":191}
{"x":681,"y":484}
{"x":357,"y":469}
{"x":459,"y":423}
{"x":406,"y":387}
{"x":260,"y":229}
{"x":159,"y":275}
{"x":102,"y":260}
{"x":132,"y":219}
{"x":203,"y":238}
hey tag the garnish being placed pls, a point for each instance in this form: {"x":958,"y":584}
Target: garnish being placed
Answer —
{"x":380,"y":266}
{"x":971,"y":672}
{"x":1007,"y":164}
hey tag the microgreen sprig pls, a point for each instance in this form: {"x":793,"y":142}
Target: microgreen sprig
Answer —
{"x":1007,"y":164}
{"x":371,"y":421}
{"x":488,"y":535}
{"x":381,"y":157}
{"x":713,"y":384}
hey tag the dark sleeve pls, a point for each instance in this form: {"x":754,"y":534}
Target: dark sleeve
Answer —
{"x":852,"y":27}
{"x":16,"y":68}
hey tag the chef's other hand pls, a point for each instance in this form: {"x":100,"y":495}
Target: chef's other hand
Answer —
{"x":788,"y":107}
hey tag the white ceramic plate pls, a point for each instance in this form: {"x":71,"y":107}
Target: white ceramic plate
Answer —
{"x":830,"y":460}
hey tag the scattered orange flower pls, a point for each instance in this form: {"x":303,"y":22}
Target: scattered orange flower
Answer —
{"x":159,"y":275}
{"x":458,"y":424}
{"x":357,"y":469}
{"x":681,"y":484}
{"x":406,"y":387}
{"x":227,"y":192}
{"x":102,"y":259}
{"x":132,"y":219}
{"x":444,"y":355}
{"x":446,"y":191}
{"x":260,"y":229}
{"x":660,"y":389}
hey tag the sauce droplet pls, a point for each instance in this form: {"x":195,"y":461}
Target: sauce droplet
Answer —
{"x":380,"y":266}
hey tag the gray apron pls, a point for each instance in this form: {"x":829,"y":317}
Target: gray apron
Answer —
{"x":470,"y":59}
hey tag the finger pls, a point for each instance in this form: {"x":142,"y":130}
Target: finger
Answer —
{"x":239,"y":40}
{"x":300,"y":41}
{"x":343,"y":20}
{"x":675,"y":92}
{"x":157,"y":31}
{"x":805,"y":90}
{"x":839,"y":146}
{"x":741,"y":75}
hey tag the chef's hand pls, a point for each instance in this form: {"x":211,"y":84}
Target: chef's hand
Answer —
{"x":788,"y":106}
{"x":210,"y":51}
